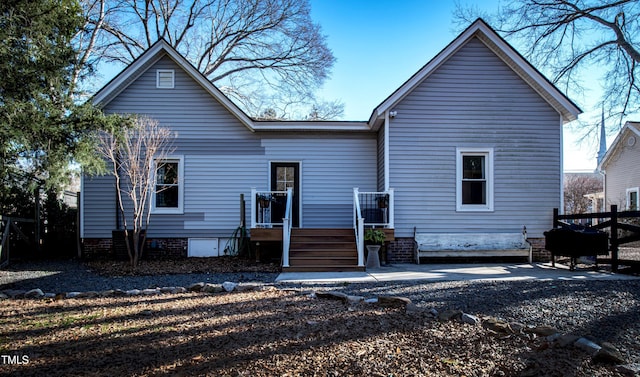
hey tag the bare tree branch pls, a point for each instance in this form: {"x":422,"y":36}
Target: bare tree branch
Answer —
{"x":228,"y":40}
{"x":133,"y":153}
{"x":571,"y":41}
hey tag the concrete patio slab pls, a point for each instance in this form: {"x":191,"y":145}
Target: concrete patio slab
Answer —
{"x":452,"y":272}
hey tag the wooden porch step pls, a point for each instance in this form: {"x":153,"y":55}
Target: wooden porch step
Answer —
{"x":323,"y":268}
{"x":323,"y":250}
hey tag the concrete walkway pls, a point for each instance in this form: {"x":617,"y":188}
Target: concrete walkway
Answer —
{"x":448,"y":272}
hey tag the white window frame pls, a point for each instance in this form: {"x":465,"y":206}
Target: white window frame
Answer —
{"x":635,"y":190}
{"x":159,"y":72}
{"x":164,"y":210}
{"x":487,"y":153}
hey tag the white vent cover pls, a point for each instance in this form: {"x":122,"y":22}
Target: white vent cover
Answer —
{"x":203,"y":247}
{"x":631,"y":141}
{"x":165,"y":78}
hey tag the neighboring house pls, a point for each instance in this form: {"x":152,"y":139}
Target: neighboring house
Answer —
{"x":471,"y":143}
{"x":621,"y":169}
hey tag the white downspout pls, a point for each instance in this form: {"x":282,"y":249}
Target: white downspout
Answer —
{"x":561,"y":209}
{"x":386,"y":151}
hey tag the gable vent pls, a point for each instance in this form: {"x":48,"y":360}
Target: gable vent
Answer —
{"x":165,"y":78}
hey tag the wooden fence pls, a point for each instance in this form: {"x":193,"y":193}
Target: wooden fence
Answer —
{"x":8,"y":225}
{"x":616,"y":222}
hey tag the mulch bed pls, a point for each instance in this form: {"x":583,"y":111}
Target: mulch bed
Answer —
{"x":226,"y":264}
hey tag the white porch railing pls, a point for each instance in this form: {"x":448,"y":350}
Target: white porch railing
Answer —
{"x":267,"y":207}
{"x":371,"y":209}
{"x":358,"y":225}
{"x":377,"y":208}
{"x":286,"y":229}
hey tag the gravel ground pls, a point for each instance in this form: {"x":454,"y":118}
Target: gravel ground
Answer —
{"x":604,"y":310}
{"x":570,"y":306}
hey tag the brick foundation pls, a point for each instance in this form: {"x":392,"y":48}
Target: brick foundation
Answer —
{"x":540,"y":254}
{"x":157,"y":248}
{"x":166,"y":248}
{"x":97,"y":248}
{"x":402,"y":250}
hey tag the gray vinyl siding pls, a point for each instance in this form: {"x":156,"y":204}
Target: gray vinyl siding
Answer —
{"x":381,"y":140}
{"x":99,"y":206}
{"x":223,"y":159}
{"x":622,"y":173}
{"x":331,"y":166}
{"x":474,"y":100}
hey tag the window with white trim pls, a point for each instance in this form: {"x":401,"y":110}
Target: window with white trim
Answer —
{"x":165,"y":78}
{"x":474,"y":179}
{"x":632,"y":198}
{"x":168,"y":190}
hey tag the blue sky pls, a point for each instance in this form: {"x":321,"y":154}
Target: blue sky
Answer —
{"x":379,"y":44}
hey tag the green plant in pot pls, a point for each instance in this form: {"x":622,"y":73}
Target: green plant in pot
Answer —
{"x":374,"y":238}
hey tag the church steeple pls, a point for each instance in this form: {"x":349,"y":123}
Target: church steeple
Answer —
{"x":603,"y":140}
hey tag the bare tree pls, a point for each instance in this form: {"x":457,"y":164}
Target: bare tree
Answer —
{"x":576,"y":186}
{"x":572,"y":40}
{"x":250,"y":49}
{"x":134,"y":154}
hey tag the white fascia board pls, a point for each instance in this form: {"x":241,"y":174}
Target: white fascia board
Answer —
{"x":423,"y":73}
{"x":215,"y":92}
{"x":569,"y":110}
{"x":129,"y":74}
{"x":612,"y":148}
{"x":310,"y":126}
{"x":482,"y":30}
{"x":149,"y":57}
{"x":615,"y":145}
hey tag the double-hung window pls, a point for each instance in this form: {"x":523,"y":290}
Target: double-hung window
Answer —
{"x":474,"y":181}
{"x":632,"y":199}
{"x":168,"y":190}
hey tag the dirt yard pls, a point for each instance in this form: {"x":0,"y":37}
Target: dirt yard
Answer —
{"x":279,"y":330}
{"x":269,"y":332}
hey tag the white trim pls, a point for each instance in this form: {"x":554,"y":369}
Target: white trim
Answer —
{"x":166,"y":211}
{"x":488,"y":154}
{"x":479,"y":28}
{"x":150,"y":57}
{"x":159,"y":73}
{"x":81,"y":209}
{"x":386,"y":150}
{"x":561,"y":208}
{"x":635,"y":190}
{"x":618,"y":142}
{"x":311,"y":126}
{"x":299,"y":183}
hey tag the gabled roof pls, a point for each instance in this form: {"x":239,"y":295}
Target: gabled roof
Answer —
{"x":146,"y":60}
{"x":480,"y":29}
{"x":622,"y":140}
{"x":162,"y":48}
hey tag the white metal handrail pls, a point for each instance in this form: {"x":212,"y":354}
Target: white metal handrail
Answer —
{"x":384,"y":211}
{"x":358,"y":225}
{"x":261,"y":213}
{"x":286,"y":229}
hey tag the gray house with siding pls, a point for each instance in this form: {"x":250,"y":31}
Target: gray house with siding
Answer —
{"x":620,"y":168}
{"x":471,"y":143}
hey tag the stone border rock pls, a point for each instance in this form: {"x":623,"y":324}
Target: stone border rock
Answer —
{"x":599,"y":351}
{"x":196,"y":287}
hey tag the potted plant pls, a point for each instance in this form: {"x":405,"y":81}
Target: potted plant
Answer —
{"x":374,"y":238}
{"x":264,"y":200}
{"x":383,"y":201}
